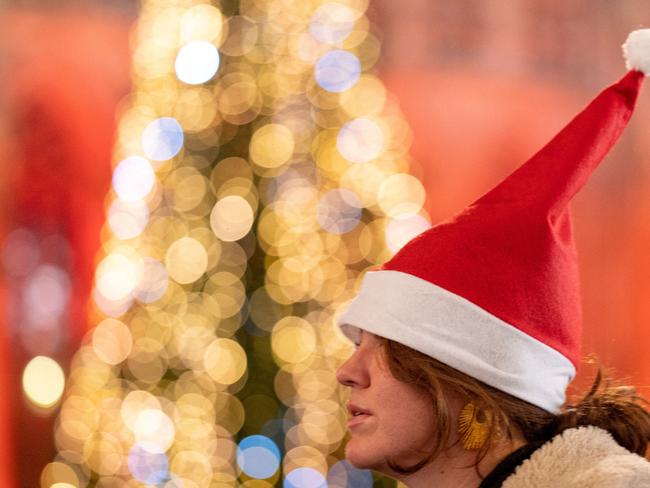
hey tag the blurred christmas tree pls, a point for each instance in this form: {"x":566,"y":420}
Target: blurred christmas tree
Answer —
{"x":259,"y":171}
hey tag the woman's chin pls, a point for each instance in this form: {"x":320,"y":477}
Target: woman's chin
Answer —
{"x":362,"y":456}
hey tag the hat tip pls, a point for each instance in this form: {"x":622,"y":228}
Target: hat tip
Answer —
{"x":636,"y":51}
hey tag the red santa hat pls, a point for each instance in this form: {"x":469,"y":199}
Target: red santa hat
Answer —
{"x":494,"y":291}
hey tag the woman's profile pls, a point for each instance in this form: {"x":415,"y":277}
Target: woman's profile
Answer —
{"x":467,"y":339}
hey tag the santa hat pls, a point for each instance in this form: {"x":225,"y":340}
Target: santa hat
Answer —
{"x":494,"y":291}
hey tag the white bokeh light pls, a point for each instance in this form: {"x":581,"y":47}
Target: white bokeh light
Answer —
{"x":360,"y":140}
{"x":154,"y":427}
{"x":133,"y":179}
{"x":127,"y":219}
{"x":332,"y":22}
{"x":116,"y":276}
{"x":43,"y":381}
{"x":197,"y":62}
{"x":403,"y":228}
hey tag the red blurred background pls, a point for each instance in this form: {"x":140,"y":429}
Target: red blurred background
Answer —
{"x":483,"y":84}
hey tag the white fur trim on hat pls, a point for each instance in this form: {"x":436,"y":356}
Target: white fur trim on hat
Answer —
{"x":451,"y":329}
{"x":637,"y":51}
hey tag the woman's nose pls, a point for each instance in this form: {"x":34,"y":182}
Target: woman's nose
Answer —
{"x":352,"y":373}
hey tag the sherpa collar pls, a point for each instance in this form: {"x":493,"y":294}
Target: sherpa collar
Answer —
{"x":583,"y":457}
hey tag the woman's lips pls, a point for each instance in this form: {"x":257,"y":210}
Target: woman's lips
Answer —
{"x":358,"y":415}
{"x":358,"y":419}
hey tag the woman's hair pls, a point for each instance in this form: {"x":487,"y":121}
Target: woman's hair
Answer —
{"x":616,"y":409}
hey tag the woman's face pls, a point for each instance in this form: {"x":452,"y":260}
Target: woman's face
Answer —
{"x":389,"y":419}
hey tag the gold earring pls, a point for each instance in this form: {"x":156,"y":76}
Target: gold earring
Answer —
{"x":474,"y":426}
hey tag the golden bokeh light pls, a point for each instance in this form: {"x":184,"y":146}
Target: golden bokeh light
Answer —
{"x":272,"y":145}
{"x":293,"y":339}
{"x":367,"y":97}
{"x":112,"y":341}
{"x":276,"y":174}
{"x":43,"y":381}
{"x":225,"y":361}
{"x":116,"y":276}
{"x":401,"y":194}
{"x":231,"y":218}
{"x":192,"y":466}
{"x":188,"y":187}
{"x":201,"y":23}
{"x":135,"y":402}
{"x":186,"y":260}
{"x":59,"y":475}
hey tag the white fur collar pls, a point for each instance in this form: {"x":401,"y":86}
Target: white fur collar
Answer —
{"x":583,"y":457}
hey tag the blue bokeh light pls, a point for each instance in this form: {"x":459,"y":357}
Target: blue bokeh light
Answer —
{"x":344,"y":475}
{"x":304,"y":478}
{"x":148,"y":463}
{"x":258,"y":456}
{"x":162,"y":139}
{"x":337,"y":71}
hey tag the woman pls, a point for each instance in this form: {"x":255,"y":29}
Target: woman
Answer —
{"x":469,"y":336}
{"x":395,"y":430}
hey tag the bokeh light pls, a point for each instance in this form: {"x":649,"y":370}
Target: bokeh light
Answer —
{"x":153,"y":282}
{"x":339,"y":211}
{"x":360,"y":140}
{"x":293,"y":339}
{"x":272,"y":145}
{"x":258,"y":457}
{"x":261,"y":169}
{"x":116,"y":276}
{"x":401,"y":194}
{"x":344,"y":475}
{"x":186,"y":260}
{"x":231,"y":218}
{"x":112,"y":341}
{"x":133,"y":178}
{"x":46,"y":295}
{"x":202,"y":22}
{"x":337,"y":71}
{"x":403,"y":228}
{"x":304,"y":478}
{"x":225,"y":361}
{"x":162,"y":139}
{"x":332,"y":22}
{"x":43,"y":381}
{"x":197,"y":62}
{"x":148,"y":463}
{"x":127,"y":219}
{"x":58,"y":473}
{"x":153,"y":427}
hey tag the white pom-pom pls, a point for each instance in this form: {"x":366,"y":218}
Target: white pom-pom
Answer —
{"x":637,"y":51}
